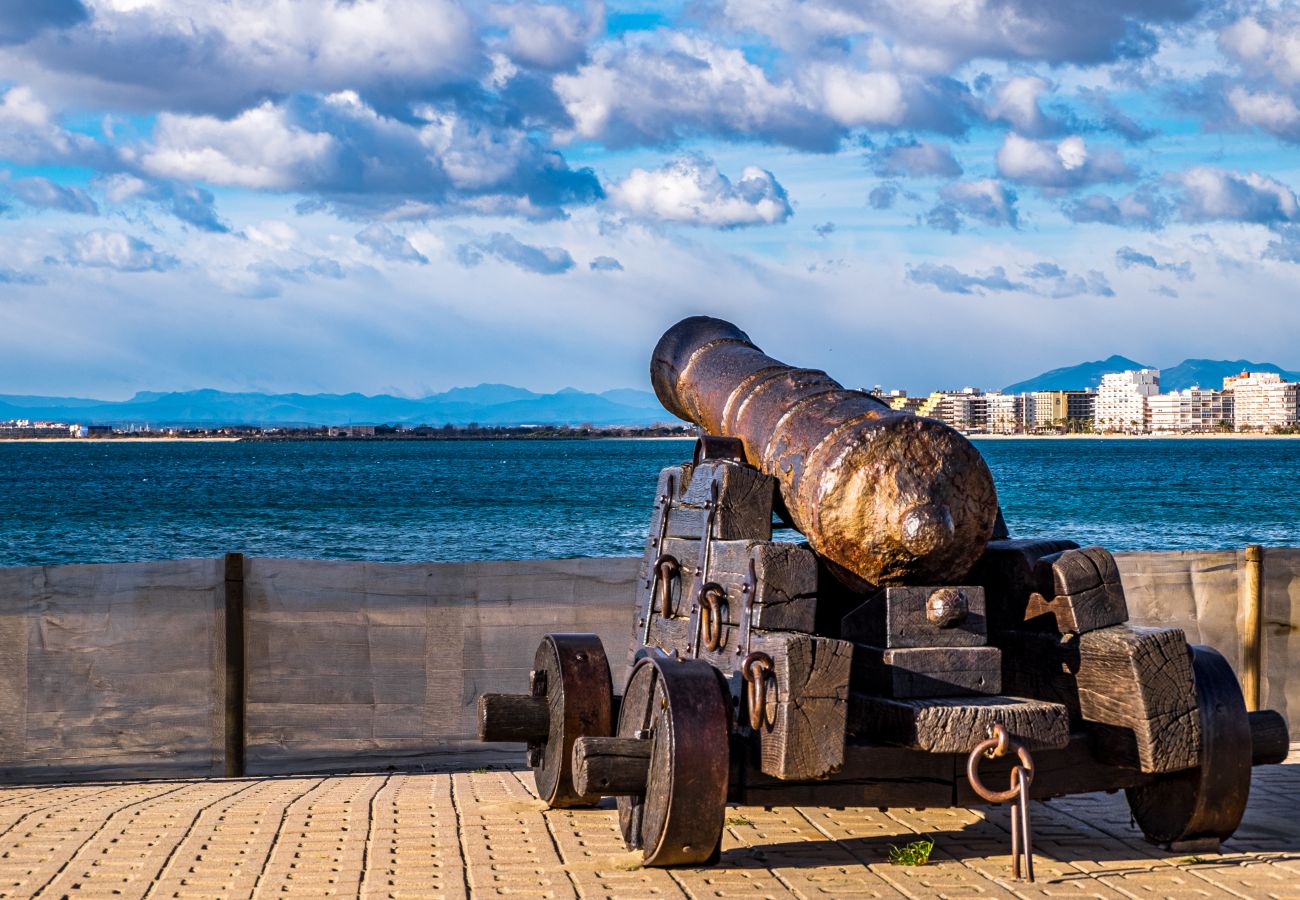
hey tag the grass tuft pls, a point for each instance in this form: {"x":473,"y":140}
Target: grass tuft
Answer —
{"x":738,"y":820}
{"x":916,"y":853}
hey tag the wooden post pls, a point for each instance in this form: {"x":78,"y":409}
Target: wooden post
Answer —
{"x":1252,"y":627}
{"x":234,"y":750}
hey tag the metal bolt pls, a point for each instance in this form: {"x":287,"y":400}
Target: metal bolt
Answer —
{"x":947,"y":607}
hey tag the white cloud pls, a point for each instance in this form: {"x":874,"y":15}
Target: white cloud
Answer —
{"x":29,"y":134}
{"x":260,"y":148}
{"x":45,"y":194}
{"x":389,"y":245}
{"x":115,"y":250}
{"x":1063,"y":165}
{"x":914,"y":159}
{"x":692,"y":191}
{"x":1274,"y":112}
{"x":1218,"y":194}
{"x":986,"y":200}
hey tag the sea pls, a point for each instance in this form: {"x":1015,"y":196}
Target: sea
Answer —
{"x":111,"y":501}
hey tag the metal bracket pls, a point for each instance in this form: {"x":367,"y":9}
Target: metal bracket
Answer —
{"x":665,"y":502}
{"x":748,"y":591}
{"x":702,"y":570}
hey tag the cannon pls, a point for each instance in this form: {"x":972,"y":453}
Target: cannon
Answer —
{"x":901,"y":650}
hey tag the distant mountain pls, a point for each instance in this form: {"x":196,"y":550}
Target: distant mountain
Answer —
{"x":1074,"y":378}
{"x":1209,"y":373}
{"x":1206,"y":373}
{"x":485,"y":404}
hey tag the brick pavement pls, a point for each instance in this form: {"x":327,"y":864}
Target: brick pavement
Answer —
{"x":485,"y":834}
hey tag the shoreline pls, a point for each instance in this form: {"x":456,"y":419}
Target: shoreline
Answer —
{"x":1228,"y":436}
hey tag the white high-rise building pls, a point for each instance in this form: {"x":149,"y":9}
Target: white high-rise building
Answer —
{"x":1008,"y":413}
{"x":1122,"y":400}
{"x":1262,"y":401}
{"x":1190,"y":410}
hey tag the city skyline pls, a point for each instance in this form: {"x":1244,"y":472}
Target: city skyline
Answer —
{"x":403,"y":196}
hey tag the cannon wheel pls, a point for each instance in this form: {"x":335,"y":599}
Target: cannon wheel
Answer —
{"x":679,"y":705}
{"x":572,"y":673}
{"x":1206,"y":802}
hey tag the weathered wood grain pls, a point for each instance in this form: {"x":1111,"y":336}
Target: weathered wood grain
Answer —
{"x":1085,"y":592}
{"x":900,"y":617}
{"x":1008,"y":575}
{"x":513,"y":717}
{"x":611,"y":766}
{"x":1138,"y":698}
{"x":910,"y":672}
{"x":783,"y":595}
{"x":957,"y":724}
{"x":807,"y":699}
{"x":1129,"y":686}
{"x":744,"y":508}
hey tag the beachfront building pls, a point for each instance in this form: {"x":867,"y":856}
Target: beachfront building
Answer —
{"x":1193,"y":410}
{"x":965,"y":410}
{"x":900,"y":401}
{"x":1058,"y":410}
{"x":1122,"y":401}
{"x":1262,"y":401}
{"x":1007,"y":412}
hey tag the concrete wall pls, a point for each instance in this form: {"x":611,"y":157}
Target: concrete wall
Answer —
{"x":113,"y":671}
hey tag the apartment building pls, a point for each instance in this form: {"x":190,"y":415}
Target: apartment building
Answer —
{"x":1008,"y":413}
{"x":1191,"y":410}
{"x":1262,"y":401}
{"x":1052,"y":410}
{"x":1122,"y":400}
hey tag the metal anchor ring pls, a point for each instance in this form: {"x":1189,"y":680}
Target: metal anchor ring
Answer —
{"x":1000,"y":744}
{"x":712,"y":599}
{"x":666,"y":568}
{"x":756,"y":669}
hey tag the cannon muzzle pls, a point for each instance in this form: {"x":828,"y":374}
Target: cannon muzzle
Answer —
{"x":891,"y":497}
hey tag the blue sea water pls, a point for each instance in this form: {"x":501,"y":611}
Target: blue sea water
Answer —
{"x":455,"y":500}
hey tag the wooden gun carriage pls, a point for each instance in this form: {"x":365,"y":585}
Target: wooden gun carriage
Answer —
{"x":907,"y":653}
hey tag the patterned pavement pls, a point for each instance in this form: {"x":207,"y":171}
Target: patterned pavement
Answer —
{"x":485,"y":834}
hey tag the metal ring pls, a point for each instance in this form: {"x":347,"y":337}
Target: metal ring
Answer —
{"x":712,"y":598}
{"x":755,"y":670}
{"x":999,"y":745}
{"x":666,"y":568}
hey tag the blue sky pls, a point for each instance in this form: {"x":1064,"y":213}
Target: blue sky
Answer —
{"x":410,"y":195}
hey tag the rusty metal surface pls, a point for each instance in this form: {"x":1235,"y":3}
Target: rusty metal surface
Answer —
{"x":680,"y":706}
{"x":891,"y":497}
{"x":571,"y":671}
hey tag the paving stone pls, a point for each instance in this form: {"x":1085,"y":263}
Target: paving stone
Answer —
{"x":482,"y":834}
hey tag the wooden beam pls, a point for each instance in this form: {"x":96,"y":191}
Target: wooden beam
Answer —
{"x":1252,"y":627}
{"x":611,"y":766}
{"x":520,"y":718}
{"x":235,"y":674}
{"x":914,"y":672}
{"x":919,"y":617}
{"x":1083,"y":592}
{"x":957,"y":724}
{"x":1008,"y":575}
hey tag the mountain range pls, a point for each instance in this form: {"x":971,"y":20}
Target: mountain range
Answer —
{"x":1206,"y":373}
{"x":486,"y":404}
{"x":499,"y":404}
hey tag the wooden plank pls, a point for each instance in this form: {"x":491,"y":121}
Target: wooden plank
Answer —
{"x":1008,"y":575}
{"x":957,"y":724}
{"x":1138,"y":698}
{"x":1085,"y":592}
{"x":910,"y":672}
{"x":913,"y":616}
{"x":744,"y":501}
{"x":875,"y":775}
{"x":784,"y":592}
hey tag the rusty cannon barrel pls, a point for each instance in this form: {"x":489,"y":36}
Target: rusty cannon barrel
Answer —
{"x":892,"y":497}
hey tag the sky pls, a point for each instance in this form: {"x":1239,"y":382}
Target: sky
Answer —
{"x":405,"y":196}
